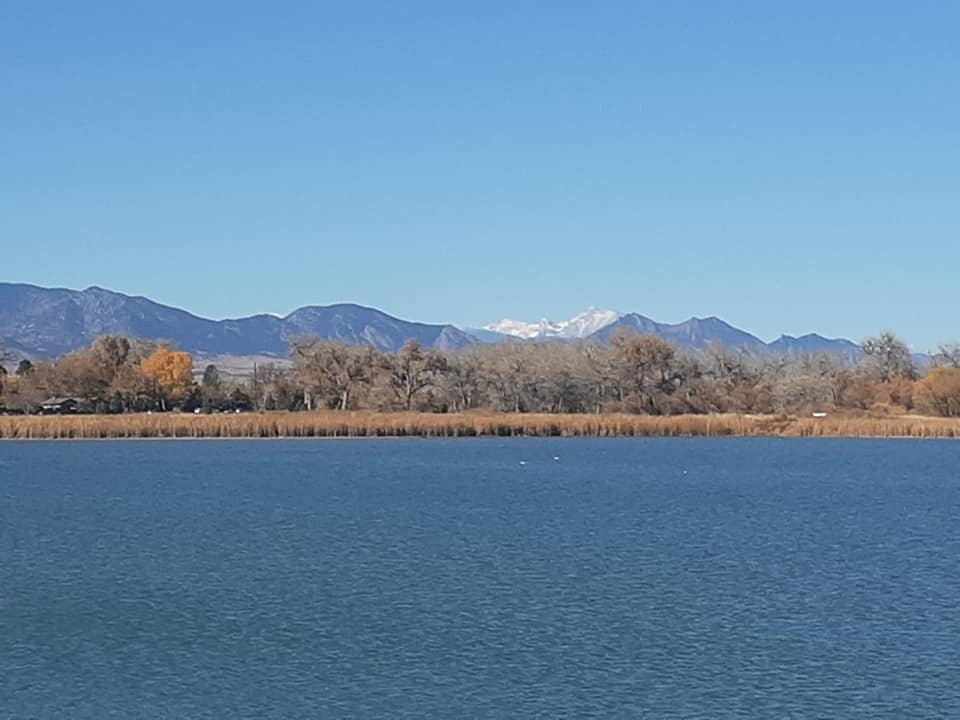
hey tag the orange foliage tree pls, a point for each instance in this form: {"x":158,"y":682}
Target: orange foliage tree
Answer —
{"x":171,"y":374}
{"x":939,"y":392}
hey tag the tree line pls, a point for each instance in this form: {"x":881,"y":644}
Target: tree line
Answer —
{"x":630,"y":373}
{"x":113,"y":375}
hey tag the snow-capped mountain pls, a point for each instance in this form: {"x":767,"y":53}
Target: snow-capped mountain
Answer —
{"x":579,"y":326}
{"x":588,"y":322}
{"x":518,"y":328}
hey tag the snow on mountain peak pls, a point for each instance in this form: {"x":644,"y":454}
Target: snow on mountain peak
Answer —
{"x":588,"y":322}
{"x":521,"y":329}
{"x":579,"y":326}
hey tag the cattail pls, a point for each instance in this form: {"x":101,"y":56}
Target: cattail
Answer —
{"x":472,"y":424}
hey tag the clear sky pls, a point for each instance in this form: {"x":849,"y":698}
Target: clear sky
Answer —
{"x":787,"y":166}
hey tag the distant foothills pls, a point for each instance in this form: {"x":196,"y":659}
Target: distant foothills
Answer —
{"x":45,"y":323}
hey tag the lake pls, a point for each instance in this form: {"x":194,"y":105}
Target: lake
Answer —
{"x":535,"y":578}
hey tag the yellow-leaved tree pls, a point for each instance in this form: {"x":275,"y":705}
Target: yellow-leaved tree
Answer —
{"x":939,"y":392}
{"x":171,"y":374}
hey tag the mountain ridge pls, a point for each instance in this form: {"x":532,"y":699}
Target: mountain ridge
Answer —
{"x":47,"y":322}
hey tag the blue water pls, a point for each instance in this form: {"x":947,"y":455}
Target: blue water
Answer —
{"x":445,"y":579}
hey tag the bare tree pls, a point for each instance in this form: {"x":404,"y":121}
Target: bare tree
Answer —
{"x":111,"y":350}
{"x":333,"y":370}
{"x":836,"y":375}
{"x":726,"y":364}
{"x":947,"y":356}
{"x":646,"y":362}
{"x":463,"y":379}
{"x":601,"y":375}
{"x":509,"y":376}
{"x":412,"y":370}
{"x":890,"y":357}
{"x":562,"y":379}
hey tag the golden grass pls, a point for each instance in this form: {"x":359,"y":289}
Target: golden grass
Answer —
{"x":472,"y":424}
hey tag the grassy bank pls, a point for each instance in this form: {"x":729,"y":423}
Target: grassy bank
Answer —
{"x":370,"y":424}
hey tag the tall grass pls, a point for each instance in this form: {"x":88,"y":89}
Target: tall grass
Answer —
{"x":473,"y":424}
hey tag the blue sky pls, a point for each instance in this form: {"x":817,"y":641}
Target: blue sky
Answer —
{"x":790,"y":167}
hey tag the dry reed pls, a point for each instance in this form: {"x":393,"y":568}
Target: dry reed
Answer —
{"x":327,"y":424}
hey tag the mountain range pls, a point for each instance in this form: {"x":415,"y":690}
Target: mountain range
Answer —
{"x":692,"y":334}
{"x":45,"y":322}
{"x":48,"y":322}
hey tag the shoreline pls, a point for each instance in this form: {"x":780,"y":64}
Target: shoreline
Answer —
{"x":367,"y":424}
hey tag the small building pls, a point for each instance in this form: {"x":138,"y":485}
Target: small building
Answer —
{"x":60,"y":406}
